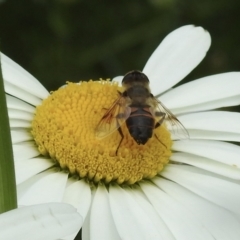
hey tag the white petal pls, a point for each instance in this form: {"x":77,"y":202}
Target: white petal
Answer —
{"x":45,"y":221}
{"x":182,"y":223}
{"x":19,"y":114}
{"x":25,"y":150}
{"x":18,"y":123}
{"x":19,"y":77}
{"x":104,"y":229}
{"x":213,"y":135}
{"x":225,"y":102}
{"x":130,"y":219}
{"x":221,"y":192}
{"x":78,"y":194}
{"x":118,"y":79}
{"x":151,"y":212}
{"x":201,"y":171}
{"x":86,"y":228}
{"x":219,"y":151}
{"x":221,"y":121}
{"x":21,"y":94}
{"x":206,"y":173}
{"x":44,"y":187}
{"x":218,"y":221}
{"x":15,"y":103}
{"x":207,"y":164}
{"x":70,"y":237}
{"x":27,"y":168}
{"x":203,"y":91}
{"x":176,"y":56}
{"x":20,"y":136}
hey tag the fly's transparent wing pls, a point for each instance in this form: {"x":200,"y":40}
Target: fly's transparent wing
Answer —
{"x":114,"y":117}
{"x":173,"y":124}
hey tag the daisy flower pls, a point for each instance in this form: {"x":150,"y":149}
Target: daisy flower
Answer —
{"x":49,"y":221}
{"x":180,"y":189}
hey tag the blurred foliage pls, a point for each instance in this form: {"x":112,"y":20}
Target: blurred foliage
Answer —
{"x":60,"y":40}
{"x":75,"y":40}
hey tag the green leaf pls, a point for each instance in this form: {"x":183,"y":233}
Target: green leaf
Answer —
{"x":8,"y":195}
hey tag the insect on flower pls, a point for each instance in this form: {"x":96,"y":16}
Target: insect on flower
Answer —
{"x":141,"y":111}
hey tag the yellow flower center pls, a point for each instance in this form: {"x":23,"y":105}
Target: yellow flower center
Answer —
{"x":64,"y":129}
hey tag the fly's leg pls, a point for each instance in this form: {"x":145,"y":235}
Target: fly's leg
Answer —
{"x":159,"y":140}
{"x":121,"y":133}
{"x":162,"y":115}
{"x":158,"y":124}
{"x":119,"y":116}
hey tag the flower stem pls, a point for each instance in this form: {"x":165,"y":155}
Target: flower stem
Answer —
{"x":8,"y":195}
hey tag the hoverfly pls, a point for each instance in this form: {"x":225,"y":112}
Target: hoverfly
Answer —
{"x":136,"y":106}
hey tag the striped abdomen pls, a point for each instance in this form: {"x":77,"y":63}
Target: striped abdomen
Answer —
{"x":140,"y":124}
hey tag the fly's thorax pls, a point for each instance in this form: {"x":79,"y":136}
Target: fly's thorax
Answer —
{"x":138,"y":94}
{"x":135,"y":83}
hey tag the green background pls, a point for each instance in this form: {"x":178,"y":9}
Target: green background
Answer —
{"x":75,"y":40}
{"x":72,"y":40}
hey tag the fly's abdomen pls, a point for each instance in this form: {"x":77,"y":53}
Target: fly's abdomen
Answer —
{"x":140,"y":125}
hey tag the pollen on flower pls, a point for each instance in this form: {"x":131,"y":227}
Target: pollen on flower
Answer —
{"x":64,"y":129}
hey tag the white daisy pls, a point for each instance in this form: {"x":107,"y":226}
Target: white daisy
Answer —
{"x":138,"y":194}
{"x":43,"y":221}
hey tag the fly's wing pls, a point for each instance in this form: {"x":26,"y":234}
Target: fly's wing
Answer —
{"x":115,"y":116}
{"x":162,"y":113}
